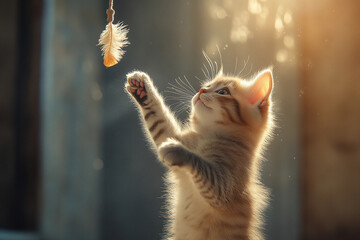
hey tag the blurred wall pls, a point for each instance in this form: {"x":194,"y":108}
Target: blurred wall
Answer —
{"x":70,"y":114}
{"x":99,"y":180}
{"x":163,"y":36}
{"x":20,"y":33}
{"x":167,"y":39}
{"x":330,"y":66}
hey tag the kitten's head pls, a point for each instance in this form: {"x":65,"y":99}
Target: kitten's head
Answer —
{"x":231,"y":103}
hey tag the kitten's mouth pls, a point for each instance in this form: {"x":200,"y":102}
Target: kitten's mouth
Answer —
{"x":201,"y":102}
{"x":197,"y":99}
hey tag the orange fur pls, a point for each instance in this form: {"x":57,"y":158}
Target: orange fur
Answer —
{"x":213,"y":181}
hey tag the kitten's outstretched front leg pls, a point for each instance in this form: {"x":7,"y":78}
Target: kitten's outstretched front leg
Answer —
{"x":157,"y":118}
{"x":213,"y":180}
{"x":173,"y":153}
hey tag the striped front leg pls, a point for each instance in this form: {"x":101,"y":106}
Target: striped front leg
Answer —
{"x":213,"y":180}
{"x":159,"y":122}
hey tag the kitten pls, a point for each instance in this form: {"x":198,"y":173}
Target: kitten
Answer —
{"x":213,"y":161}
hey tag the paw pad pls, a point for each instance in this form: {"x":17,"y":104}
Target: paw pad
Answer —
{"x":137,"y":88}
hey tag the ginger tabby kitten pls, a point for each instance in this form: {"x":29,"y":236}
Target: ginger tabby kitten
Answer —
{"x":214,"y":192}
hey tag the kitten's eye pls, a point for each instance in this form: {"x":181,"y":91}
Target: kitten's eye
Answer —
{"x":223,"y":91}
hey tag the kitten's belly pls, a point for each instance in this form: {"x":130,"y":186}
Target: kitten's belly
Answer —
{"x":193,"y":214}
{"x":191,"y":210}
{"x":196,"y":220}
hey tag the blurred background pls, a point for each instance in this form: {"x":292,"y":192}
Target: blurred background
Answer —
{"x":73,"y":160}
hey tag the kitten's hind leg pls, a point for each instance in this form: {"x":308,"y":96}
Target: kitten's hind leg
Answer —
{"x":157,"y":118}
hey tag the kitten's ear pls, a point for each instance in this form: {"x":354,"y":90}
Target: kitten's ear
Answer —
{"x":261,"y":88}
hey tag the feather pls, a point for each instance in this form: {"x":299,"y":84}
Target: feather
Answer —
{"x":113,"y":39}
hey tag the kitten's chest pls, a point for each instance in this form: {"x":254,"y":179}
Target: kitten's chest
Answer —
{"x":193,"y":213}
{"x":189,"y":198}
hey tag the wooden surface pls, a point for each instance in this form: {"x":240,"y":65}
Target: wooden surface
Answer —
{"x":331,"y":119}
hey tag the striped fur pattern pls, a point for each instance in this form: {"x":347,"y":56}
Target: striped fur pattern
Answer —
{"x":213,"y":160}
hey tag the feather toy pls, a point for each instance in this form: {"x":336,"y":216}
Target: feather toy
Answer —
{"x":113,"y":39}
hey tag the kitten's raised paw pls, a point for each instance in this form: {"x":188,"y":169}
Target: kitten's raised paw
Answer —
{"x":137,"y":86}
{"x":172,"y":153}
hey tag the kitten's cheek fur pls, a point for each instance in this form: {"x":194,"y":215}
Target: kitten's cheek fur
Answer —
{"x":172,"y":153}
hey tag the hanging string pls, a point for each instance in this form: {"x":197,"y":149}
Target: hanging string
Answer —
{"x":110,"y":12}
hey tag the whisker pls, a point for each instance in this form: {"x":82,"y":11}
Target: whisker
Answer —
{"x":216,"y":67}
{"x":202,"y":81}
{"x":245,"y":63}
{"x":186,"y":86}
{"x":183,"y":108}
{"x":180,"y":107}
{"x":214,"y":71}
{"x":221,"y":62}
{"x":207,"y":74}
{"x":182,"y":104}
{"x":210,"y":64}
{"x":187,"y":80}
{"x":236,"y":61}
{"x":178,"y":92}
{"x":248,"y":71}
{"x":180,"y":88}
{"x":181,"y":94}
{"x":177,"y":97}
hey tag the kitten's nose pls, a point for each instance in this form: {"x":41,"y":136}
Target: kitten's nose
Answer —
{"x":198,"y":96}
